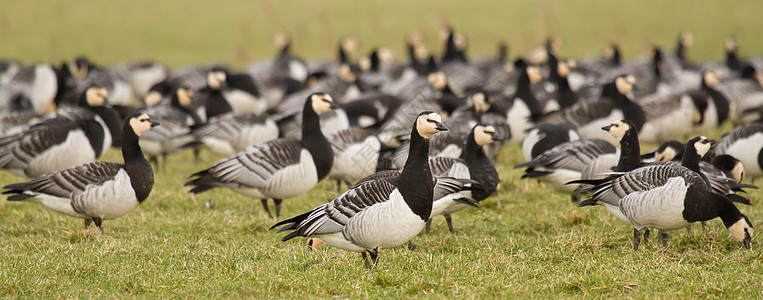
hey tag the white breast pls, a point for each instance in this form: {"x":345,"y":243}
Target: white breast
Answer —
{"x":241,"y":101}
{"x":660,"y":208}
{"x":384,"y":225}
{"x":113,"y":199}
{"x":519,"y":122}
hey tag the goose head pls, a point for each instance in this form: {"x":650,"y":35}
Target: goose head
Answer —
{"x":484,"y":134}
{"x":686,"y":38}
{"x":668,"y":151}
{"x":742,"y":231}
{"x":184,"y":96}
{"x":731,"y":44}
{"x":428,"y":123}
{"x":140,"y":123}
{"x":711,"y":78}
{"x":480,"y":101}
{"x":437,"y":80}
{"x":216,"y":79}
{"x":96,"y":96}
{"x":729,"y":165}
{"x":322,"y":102}
{"x":346,"y":74}
{"x":700,"y":145}
{"x":563,"y":68}
{"x":624,"y":83}
{"x":618,"y":128}
{"x":533,"y":72}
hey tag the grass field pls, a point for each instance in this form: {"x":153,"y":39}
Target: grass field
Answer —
{"x":526,"y":242}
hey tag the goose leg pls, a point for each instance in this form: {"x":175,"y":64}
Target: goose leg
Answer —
{"x":196,"y":152}
{"x":450,"y":223}
{"x":663,"y":237}
{"x":703,"y":226}
{"x":411,"y":246}
{"x":88,"y":222}
{"x":154,"y":160}
{"x":428,"y":224}
{"x":338,"y":186}
{"x":365,"y":259}
{"x":636,"y":238}
{"x":98,"y":223}
{"x":164,"y":162}
{"x":646,"y":235}
{"x":265,"y":206}
{"x":688,"y":229}
{"x":374,"y":256}
{"x":278,"y":207}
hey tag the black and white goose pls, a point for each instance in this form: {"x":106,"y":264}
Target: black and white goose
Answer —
{"x":356,"y":153}
{"x":67,"y":139}
{"x":277,"y":169}
{"x":177,"y":117}
{"x":377,"y":214}
{"x":473,"y":164}
{"x":744,"y":143}
{"x":546,"y":136}
{"x":588,"y":117}
{"x":718,"y":106}
{"x":565,"y":162}
{"x":669,"y":197}
{"x":38,"y":84}
{"x":524,"y":109}
{"x":96,"y":191}
{"x":233,"y":132}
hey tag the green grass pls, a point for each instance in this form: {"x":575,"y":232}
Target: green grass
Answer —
{"x":526,"y":242}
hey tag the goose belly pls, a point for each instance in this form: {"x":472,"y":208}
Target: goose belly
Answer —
{"x":338,"y":240}
{"x":615,"y":210}
{"x":112,"y":199}
{"x":256,"y":134}
{"x":241,"y":101}
{"x":660,"y":208}
{"x":747,"y":150}
{"x":384,"y":225}
{"x":558,"y":178}
{"x":592,"y":130}
{"x":74,"y":151}
{"x":60,"y":205}
{"x":219,"y":146}
{"x":294,"y":180}
{"x":674,"y":124}
{"x":519,"y":120}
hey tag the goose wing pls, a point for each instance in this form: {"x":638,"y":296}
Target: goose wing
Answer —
{"x":574,"y":155}
{"x":581,"y":113}
{"x":18,"y":149}
{"x":618,"y":186}
{"x":250,"y":168}
{"x":736,"y":134}
{"x":346,"y":137}
{"x":67,"y":182}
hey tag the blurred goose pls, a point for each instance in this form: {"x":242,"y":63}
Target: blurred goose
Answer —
{"x":546,"y":136}
{"x":38,"y":84}
{"x":717,"y":106}
{"x":744,"y":143}
{"x":669,"y":197}
{"x":277,"y":169}
{"x":377,"y":214}
{"x":95,"y":191}
{"x":68,"y":139}
{"x":524,"y":108}
{"x":177,"y":117}
{"x":473,"y":164}
{"x":356,"y":153}
{"x":230,"y":133}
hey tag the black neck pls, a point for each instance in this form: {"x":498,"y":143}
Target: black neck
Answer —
{"x":720,"y":101}
{"x":314,"y":141}
{"x":564,"y":94}
{"x":691,"y":161}
{"x":681,"y":51}
{"x":342,"y":55}
{"x":137,"y":167}
{"x":415,"y":181}
{"x":216,"y":104}
{"x":615,"y":56}
{"x":480,"y":168}
{"x":113,"y":122}
{"x":630,"y":152}
{"x":525,"y":93}
{"x":731,"y":60}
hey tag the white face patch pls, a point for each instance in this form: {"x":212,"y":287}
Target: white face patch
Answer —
{"x":483,"y":135}
{"x":364,"y":63}
{"x":701,"y":147}
{"x":711,"y":78}
{"x":385,"y":55}
{"x":345,"y":74}
{"x":534,"y":73}
{"x":730,"y":44}
{"x":618,"y":130}
{"x":140,"y":124}
{"x":215,"y":79}
{"x":480,"y":105}
{"x":624,"y":84}
{"x":96,"y":96}
{"x":738,"y":172}
{"x":687,"y":39}
{"x":737,"y":230}
{"x":563,"y":69}
{"x":77,"y":72}
{"x":350,"y":44}
{"x":666,"y":155}
{"x":609,"y":52}
{"x":426,"y":125}
{"x":184,"y":96}
{"x":321,"y":103}
{"x":280,"y":39}
{"x":153,"y":98}
{"x":437,"y":80}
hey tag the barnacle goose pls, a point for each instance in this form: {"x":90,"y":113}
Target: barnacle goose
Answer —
{"x":546,"y":136}
{"x":96,"y":191}
{"x":69,"y":138}
{"x":233,"y":132}
{"x":377,"y":214}
{"x":175,"y":132}
{"x":744,"y":143}
{"x":565,"y":162}
{"x":473,"y":164}
{"x":669,"y":197}
{"x":38,"y":84}
{"x":524,"y":109}
{"x":717,"y":107}
{"x":277,"y":169}
{"x":356,"y":153}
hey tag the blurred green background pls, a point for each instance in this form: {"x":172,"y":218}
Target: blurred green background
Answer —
{"x":237,"y":31}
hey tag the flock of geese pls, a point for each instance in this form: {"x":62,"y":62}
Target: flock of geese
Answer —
{"x":409,"y":140}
